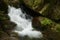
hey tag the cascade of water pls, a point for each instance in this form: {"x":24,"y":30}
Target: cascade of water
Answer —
{"x":23,"y":21}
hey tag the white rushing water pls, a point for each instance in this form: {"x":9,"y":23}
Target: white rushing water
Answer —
{"x":24,"y":26}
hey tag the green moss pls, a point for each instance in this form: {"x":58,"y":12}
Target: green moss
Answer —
{"x":46,"y":21}
{"x":33,"y":3}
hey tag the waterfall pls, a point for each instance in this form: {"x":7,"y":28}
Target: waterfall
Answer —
{"x":23,"y":21}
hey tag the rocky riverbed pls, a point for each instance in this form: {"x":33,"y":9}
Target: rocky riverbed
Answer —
{"x":49,"y":25}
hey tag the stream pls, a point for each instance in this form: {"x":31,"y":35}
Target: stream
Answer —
{"x":24,"y":23}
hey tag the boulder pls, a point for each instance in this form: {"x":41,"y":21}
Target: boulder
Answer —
{"x":49,"y":28}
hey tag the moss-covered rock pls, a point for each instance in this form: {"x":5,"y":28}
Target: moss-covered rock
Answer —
{"x":55,"y":13}
{"x":46,"y":21}
{"x":48,"y":8}
{"x":49,"y":28}
{"x":34,"y":4}
{"x":41,"y":23}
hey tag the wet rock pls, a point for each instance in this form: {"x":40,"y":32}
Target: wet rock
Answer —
{"x":5,"y":23}
{"x":41,"y":23}
{"x":3,"y":35}
{"x":8,"y":26}
{"x":49,"y":28}
{"x":28,"y":38}
{"x":14,"y":36}
{"x":51,"y":35}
